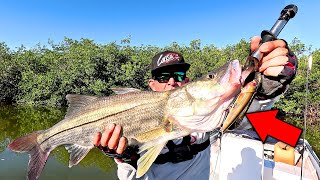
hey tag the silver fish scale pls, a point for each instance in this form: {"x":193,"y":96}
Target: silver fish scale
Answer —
{"x":104,"y":107}
{"x":141,"y":119}
{"x":114,"y":104}
{"x":134,"y":121}
{"x":150,"y":117}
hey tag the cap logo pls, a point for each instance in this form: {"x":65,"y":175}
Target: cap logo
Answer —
{"x":168,"y":58}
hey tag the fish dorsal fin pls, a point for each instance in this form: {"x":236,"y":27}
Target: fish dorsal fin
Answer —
{"x":77,"y":153}
{"x":145,"y":161}
{"x":124,"y":90}
{"x":76,"y":102}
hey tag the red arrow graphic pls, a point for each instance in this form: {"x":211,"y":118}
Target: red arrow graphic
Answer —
{"x":266,"y":124}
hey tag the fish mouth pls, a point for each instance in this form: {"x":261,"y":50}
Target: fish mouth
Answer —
{"x":247,"y":75}
{"x":231,"y":80}
{"x":235,"y":72}
{"x":248,"y":72}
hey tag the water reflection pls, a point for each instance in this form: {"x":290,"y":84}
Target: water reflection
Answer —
{"x":17,"y":121}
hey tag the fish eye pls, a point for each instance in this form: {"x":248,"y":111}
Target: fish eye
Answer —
{"x":211,"y":76}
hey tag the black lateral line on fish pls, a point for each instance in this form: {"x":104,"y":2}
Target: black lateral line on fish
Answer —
{"x":88,"y":123}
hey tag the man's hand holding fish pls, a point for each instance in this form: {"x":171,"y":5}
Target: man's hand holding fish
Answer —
{"x":189,"y":156}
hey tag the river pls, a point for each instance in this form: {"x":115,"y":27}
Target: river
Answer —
{"x":17,"y":121}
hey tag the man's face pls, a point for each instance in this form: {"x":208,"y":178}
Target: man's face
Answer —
{"x":168,"y":80}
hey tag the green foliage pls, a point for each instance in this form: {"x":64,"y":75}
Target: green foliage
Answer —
{"x":46,"y":74}
{"x":295,"y":99}
{"x":10,"y":75}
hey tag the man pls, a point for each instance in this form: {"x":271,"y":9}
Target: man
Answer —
{"x":169,"y":72}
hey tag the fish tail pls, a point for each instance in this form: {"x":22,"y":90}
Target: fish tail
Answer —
{"x":38,"y":157}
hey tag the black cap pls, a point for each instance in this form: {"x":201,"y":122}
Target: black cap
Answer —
{"x":168,"y":59}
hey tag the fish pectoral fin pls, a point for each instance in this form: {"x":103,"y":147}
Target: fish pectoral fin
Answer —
{"x":145,"y":161}
{"x":77,"y":153}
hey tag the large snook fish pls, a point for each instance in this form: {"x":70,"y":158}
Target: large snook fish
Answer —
{"x":149,"y":119}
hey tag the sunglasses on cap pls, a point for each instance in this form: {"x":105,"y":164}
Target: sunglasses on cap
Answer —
{"x":164,"y":77}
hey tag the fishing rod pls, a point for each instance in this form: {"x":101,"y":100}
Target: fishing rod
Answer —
{"x":309,"y":63}
{"x":254,"y":59}
{"x":251,"y":71}
{"x":285,"y":15}
{"x":241,"y":104}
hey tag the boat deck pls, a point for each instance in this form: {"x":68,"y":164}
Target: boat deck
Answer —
{"x":241,"y":155}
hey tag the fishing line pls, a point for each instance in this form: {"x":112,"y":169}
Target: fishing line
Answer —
{"x":309,"y":65}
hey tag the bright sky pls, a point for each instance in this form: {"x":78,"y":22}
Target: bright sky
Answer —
{"x":151,"y":22}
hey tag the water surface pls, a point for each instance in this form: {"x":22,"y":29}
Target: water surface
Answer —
{"x":17,"y":121}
